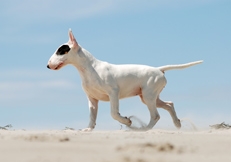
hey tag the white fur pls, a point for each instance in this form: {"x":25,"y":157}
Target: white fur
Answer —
{"x":108,"y":82}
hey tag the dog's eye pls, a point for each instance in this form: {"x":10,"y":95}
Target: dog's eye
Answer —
{"x":64,"y":49}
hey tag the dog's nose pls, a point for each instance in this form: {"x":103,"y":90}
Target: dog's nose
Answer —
{"x":48,"y":66}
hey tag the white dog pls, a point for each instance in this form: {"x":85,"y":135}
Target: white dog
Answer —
{"x":109,"y":82}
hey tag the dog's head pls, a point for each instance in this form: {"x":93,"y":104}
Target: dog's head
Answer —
{"x":63,"y":55}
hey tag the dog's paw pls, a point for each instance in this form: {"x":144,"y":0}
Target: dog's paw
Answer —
{"x":177,"y":123}
{"x":129,"y":122}
{"x":86,"y":130}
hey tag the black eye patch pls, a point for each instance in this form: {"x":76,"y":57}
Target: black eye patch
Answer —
{"x":63,"y":50}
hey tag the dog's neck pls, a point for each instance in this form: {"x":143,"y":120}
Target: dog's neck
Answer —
{"x":84,"y":62}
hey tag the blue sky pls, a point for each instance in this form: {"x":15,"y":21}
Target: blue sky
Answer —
{"x":153,"y":33}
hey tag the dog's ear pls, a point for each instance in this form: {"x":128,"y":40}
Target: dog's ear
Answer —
{"x":72,"y":40}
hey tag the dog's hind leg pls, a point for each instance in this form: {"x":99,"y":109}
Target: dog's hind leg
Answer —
{"x":149,"y":98}
{"x":167,"y":105}
{"x":154,"y":115}
{"x":150,"y":93}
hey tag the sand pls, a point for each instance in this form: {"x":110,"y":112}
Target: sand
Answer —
{"x":115,"y":146}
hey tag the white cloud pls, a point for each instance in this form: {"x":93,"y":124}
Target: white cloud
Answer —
{"x":179,"y":3}
{"x":18,"y":17}
{"x":26,"y":84}
{"x":21,"y":90}
{"x":54,"y":10}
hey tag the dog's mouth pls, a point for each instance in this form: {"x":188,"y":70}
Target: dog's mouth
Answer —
{"x":59,"y":66}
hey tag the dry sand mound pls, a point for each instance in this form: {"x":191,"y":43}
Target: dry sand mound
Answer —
{"x":115,"y":146}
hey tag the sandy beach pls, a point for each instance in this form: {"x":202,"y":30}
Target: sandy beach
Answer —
{"x":115,"y":146}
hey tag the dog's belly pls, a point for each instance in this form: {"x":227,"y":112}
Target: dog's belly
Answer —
{"x":123,"y":93}
{"x":129,"y":92}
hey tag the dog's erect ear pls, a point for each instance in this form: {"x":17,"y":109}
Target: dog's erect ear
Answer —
{"x":72,"y":40}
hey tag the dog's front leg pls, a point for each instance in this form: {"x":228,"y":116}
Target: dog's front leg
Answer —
{"x":93,"y":108}
{"x":114,"y":101}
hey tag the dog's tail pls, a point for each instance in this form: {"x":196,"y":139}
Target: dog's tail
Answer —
{"x":180,"y":66}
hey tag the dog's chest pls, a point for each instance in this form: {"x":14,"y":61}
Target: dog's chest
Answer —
{"x":95,"y":92}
